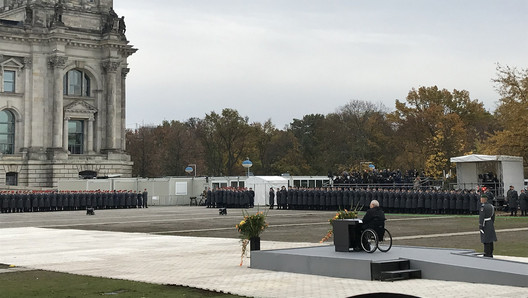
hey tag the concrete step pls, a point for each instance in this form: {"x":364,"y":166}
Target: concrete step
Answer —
{"x":400,"y":274}
{"x":396,"y":269}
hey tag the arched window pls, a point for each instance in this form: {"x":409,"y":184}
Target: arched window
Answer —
{"x":7,"y":132}
{"x":76,"y":136}
{"x":77,"y":83}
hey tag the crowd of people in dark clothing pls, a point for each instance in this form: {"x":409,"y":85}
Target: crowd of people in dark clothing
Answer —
{"x":375,"y":176}
{"x":391,"y":200}
{"x":42,"y":201}
{"x":230,"y":197}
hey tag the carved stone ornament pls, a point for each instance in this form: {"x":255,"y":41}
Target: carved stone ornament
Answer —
{"x":57,"y":61}
{"x":28,"y":62}
{"x":124,"y":72}
{"x":109,"y":66}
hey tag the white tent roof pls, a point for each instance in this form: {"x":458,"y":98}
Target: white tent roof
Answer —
{"x":266,"y":179}
{"x":481,"y":158}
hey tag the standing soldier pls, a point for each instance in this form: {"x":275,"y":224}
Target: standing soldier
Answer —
{"x":392,"y":197}
{"x":339,"y":193}
{"x":140,"y":199}
{"x":523,"y":201}
{"x":420,"y":201}
{"x":385,"y":201}
{"x":328,"y":198}
{"x":19,"y":201}
{"x":409,"y":198}
{"x":271,"y":198}
{"x":362,"y":198}
{"x":397,"y":199}
{"x":434,"y":201}
{"x":251,"y":197}
{"x":459,"y":204}
{"x":145,"y":198}
{"x":208,"y":198}
{"x":473,"y":202}
{"x":486,"y":226}
{"x":465,"y":202}
{"x":512,"y":200}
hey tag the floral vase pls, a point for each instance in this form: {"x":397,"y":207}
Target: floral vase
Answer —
{"x":254,"y":243}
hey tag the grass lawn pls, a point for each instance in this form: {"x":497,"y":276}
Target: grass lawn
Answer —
{"x":508,"y":244}
{"x":52,"y":284}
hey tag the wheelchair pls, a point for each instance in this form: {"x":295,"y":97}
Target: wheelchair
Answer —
{"x":372,"y":240}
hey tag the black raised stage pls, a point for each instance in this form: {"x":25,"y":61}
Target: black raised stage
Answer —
{"x":435,"y":263}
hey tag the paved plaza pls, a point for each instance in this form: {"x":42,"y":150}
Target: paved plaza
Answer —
{"x":53,"y":241}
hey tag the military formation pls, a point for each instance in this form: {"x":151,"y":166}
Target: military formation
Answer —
{"x":42,"y":201}
{"x":230,"y":197}
{"x":392,"y":200}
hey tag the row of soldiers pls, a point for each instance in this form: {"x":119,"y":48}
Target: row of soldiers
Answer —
{"x":391,"y":199}
{"x":230,"y":197}
{"x":40,"y":201}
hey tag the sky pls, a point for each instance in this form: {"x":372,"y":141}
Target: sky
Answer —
{"x":283,"y":59}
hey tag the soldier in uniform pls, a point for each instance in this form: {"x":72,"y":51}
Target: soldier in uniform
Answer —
{"x":392,"y":196}
{"x":339,"y":198}
{"x":271,"y":198}
{"x":513,"y":199}
{"x":465,"y":202}
{"x":333,"y":199}
{"x":473,"y":202}
{"x":486,"y":226}
{"x":383,"y":196}
{"x":409,"y":198}
{"x":523,"y":202}
{"x":19,"y":201}
{"x":433,"y":196}
{"x":459,"y":201}
{"x":145,"y":198}
{"x":397,"y":199}
{"x":251,"y":197}
{"x":140,"y":198}
{"x":284,"y":197}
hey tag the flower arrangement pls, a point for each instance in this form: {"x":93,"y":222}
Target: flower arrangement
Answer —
{"x":250,"y":226}
{"x":341,"y":214}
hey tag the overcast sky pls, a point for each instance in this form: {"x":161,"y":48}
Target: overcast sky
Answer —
{"x":283,"y":59}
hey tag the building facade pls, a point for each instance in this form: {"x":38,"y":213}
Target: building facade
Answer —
{"x":63,"y":68}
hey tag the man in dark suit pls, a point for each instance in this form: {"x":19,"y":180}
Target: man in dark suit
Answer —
{"x":374,"y":219}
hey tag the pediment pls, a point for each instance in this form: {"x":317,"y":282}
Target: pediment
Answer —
{"x":12,"y":63}
{"x":80,"y":107}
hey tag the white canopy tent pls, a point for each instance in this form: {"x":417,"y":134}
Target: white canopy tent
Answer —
{"x":508,"y":170}
{"x":261,"y":186}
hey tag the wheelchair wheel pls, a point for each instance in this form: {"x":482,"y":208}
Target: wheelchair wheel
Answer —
{"x":385,"y":244}
{"x":369,"y":241}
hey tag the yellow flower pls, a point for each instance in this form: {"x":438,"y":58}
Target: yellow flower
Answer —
{"x":242,"y":223}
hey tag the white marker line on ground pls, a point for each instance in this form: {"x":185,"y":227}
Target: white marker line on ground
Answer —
{"x":455,"y":234}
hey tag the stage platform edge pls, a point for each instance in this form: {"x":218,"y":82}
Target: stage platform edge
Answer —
{"x":435,"y":263}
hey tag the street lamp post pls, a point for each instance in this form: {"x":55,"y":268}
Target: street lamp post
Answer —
{"x":247,"y":164}
{"x":189,"y":169}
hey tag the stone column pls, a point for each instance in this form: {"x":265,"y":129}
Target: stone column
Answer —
{"x":65,"y":135}
{"x":110,"y":69}
{"x":28,"y":98}
{"x":124,"y":72}
{"x":90,"y":140}
{"x":58,"y":63}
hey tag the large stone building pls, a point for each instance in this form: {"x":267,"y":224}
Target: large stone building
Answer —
{"x":63,"y":68}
